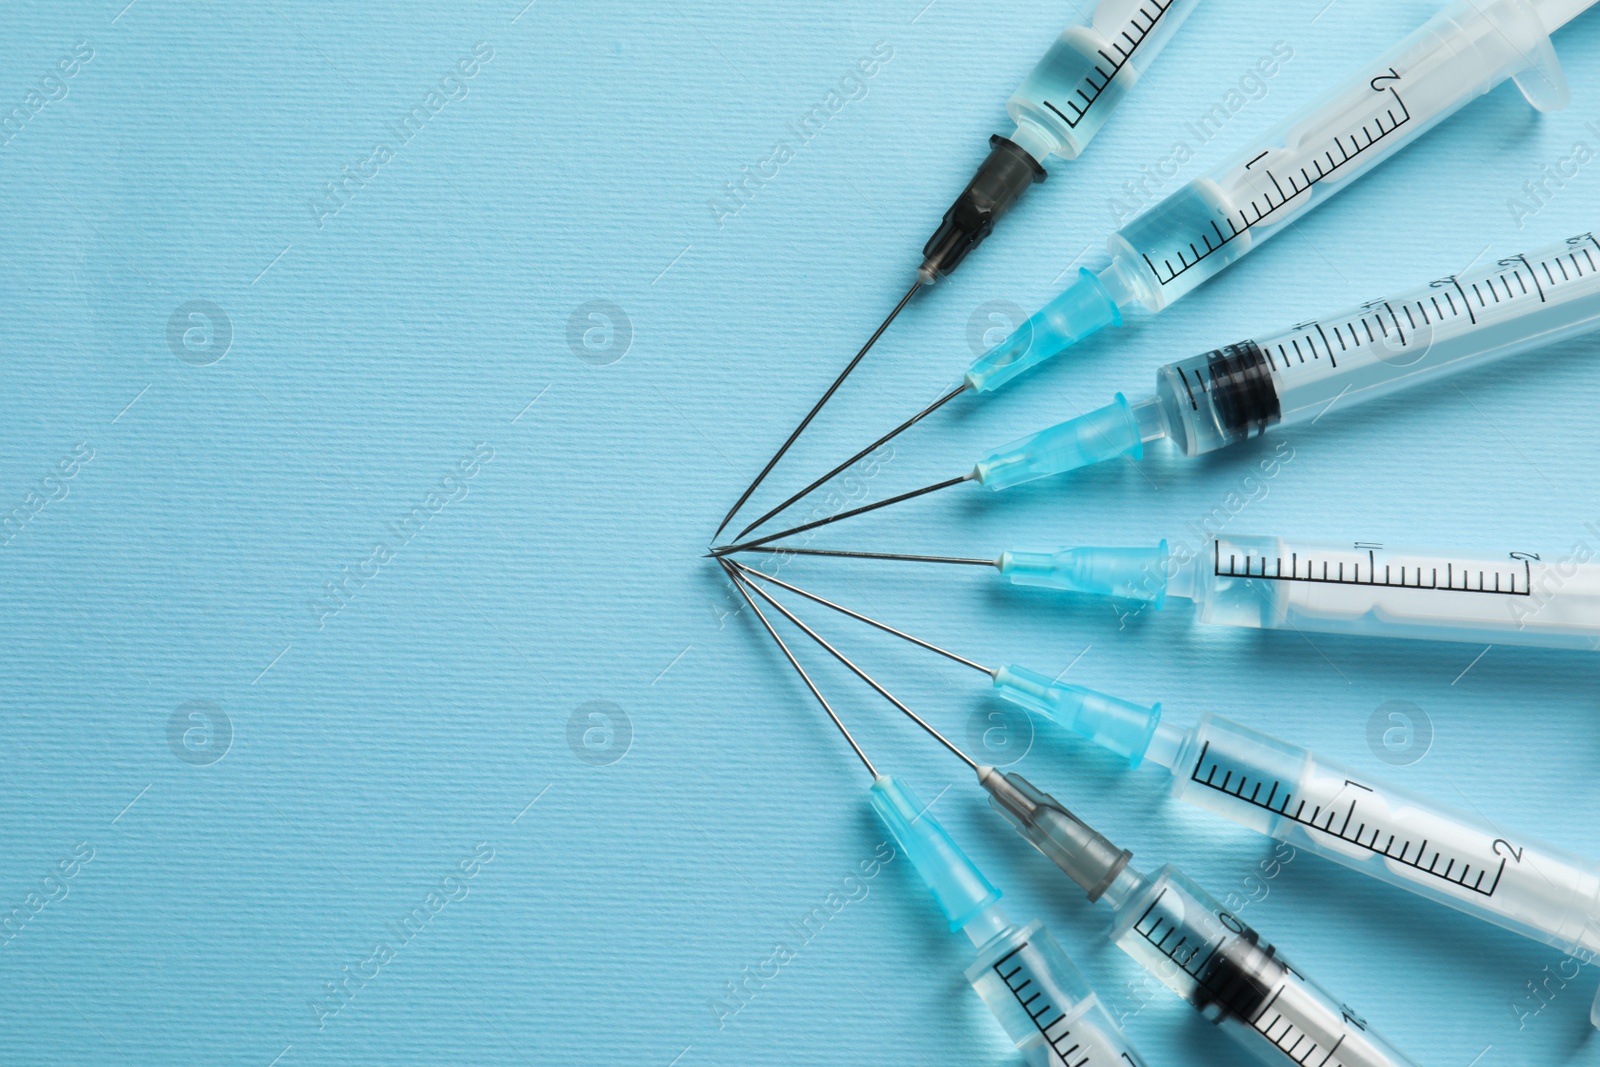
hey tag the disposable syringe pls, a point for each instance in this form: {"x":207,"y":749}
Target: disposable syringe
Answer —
{"x":1172,"y":927}
{"x":1462,"y":860}
{"x":1459,"y":859}
{"x":1058,"y":108}
{"x":1034,"y":990}
{"x":1226,"y":396}
{"x":1185,"y":937}
{"x":1276,"y":583}
{"x":1462,"y":52}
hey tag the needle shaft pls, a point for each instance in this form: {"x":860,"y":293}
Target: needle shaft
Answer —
{"x":864,"y":676}
{"x":873,"y":447}
{"x":862,"y":510}
{"x":826,"y":396}
{"x":885,"y":627}
{"x":780,"y":550}
{"x":739,"y":585}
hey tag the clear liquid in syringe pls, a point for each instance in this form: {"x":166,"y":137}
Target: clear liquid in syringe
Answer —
{"x":1364,"y":588}
{"x":1073,"y":90}
{"x":1240,"y":982}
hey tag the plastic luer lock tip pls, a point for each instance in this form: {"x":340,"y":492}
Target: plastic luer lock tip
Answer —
{"x":1110,"y":432}
{"x":1124,"y":573}
{"x":1111,"y":722}
{"x":960,"y":888}
{"x":1079,"y":310}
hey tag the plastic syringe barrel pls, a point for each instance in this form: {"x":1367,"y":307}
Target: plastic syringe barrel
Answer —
{"x":1237,"y":979}
{"x":1225,"y":396}
{"x":1516,"y":304}
{"x":1463,"y":51}
{"x":1045,"y":1003}
{"x":1557,"y":13}
{"x":1074,"y":88}
{"x":1543,"y":600}
{"x":1458,"y":859}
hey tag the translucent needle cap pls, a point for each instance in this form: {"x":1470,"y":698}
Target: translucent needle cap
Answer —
{"x":1077,"y":848}
{"x":1108,"y":433}
{"x":1126,"y":573}
{"x":960,"y":888}
{"x":1111,"y":722}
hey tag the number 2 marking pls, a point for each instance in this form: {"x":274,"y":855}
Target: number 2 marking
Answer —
{"x":1511,"y":851}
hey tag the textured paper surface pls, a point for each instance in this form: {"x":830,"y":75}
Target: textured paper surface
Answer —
{"x":430,"y":317}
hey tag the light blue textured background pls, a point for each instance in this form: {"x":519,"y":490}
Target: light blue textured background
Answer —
{"x":372,"y":352}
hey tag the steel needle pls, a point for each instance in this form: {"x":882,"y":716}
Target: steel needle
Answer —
{"x":863,"y":675}
{"x":740,"y":585}
{"x":828,"y":395}
{"x":873,"y":447}
{"x":779,"y":550}
{"x":862,"y":510}
{"x":841,"y":609}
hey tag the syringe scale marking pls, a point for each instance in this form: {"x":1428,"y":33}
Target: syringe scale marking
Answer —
{"x":1309,"y":341}
{"x":1255,"y":567}
{"x":1316,"y":822}
{"x":1224,"y":987}
{"x":1289,"y":1038}
{"x":1149,"y":934}
{"x":1308,"y":180}
{"x":1300,"y":1037}
{"x":1117,"y":63}
{"x":1062,"y":1042}
{"x":1378,"y":330}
